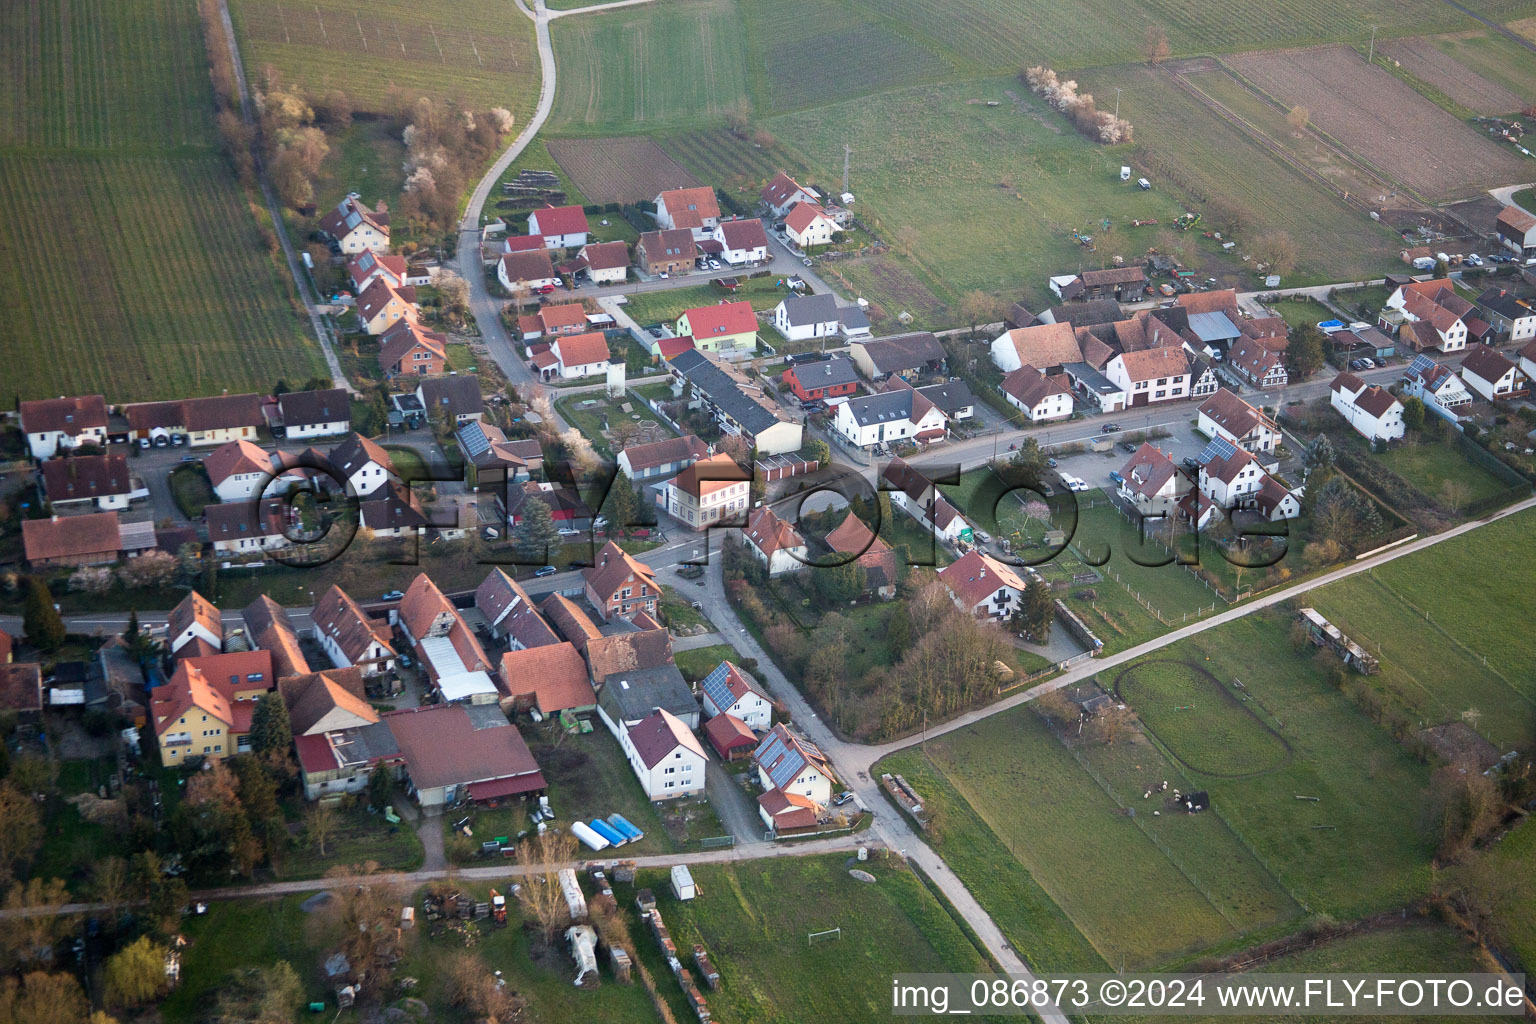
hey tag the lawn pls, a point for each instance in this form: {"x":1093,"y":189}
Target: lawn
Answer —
{"x":358,"y":836}
{"x":666,"y":305}
{"x":677,"y":610}
{"x":754,"y":920}
{"x":930,"y":157}
{"x":73,"y":845}
{"x":1213,"y":729}
{"x":1431,"y":467}
{"x":701,"y":661}
{"x":1301,"y":312}
{"x":477,"y":53}
{"x":1516,"y":857}
{"x":366,"y":158}
{"x":586,"y":411}
{"x":107,"y":135}
{"x":1187,"y":148}
{"x":609,"y":65}
{"x":236,"y":934}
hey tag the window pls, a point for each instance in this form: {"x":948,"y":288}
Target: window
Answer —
{"x":668,"y":785}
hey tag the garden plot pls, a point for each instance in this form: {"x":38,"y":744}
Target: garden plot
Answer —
{"x":618,"y":170}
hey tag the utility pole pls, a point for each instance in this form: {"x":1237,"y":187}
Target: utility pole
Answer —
{"x":1117,"y":104}
{"x":847,"y":157}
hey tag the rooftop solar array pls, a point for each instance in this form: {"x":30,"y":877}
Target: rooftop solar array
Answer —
{"x":717,"y":686}
{"x":1218,"y":448}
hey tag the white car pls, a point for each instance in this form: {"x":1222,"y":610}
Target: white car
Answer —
{"x":1074,"y":483}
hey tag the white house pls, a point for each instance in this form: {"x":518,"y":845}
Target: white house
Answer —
{"x":693,"y":208}
{"x":522,"y":272}
{"x":1528,"y":360}
{"x":1508,"y":313}
{"x":1151,"y":482}
{"x":580,"y":355}
{"x":52,"y":424}
{"x":708,"y":491}
{"x":1226,"y":415}
{"x":561,"y":227}
{"x":315,"y":413}
{"x":238,"y":470}
{"x":913,"y":493}
{"x":1491,"y":375}
{"x":1046,"y":346}
{"x":808,"y":225}
{"x":775,"y":543}
{"x":802,"y":317}
{"x":1039,"y":397}
{"x":743,"y":242}
{"x":1436,"y":311}
{"x":1274,"y":502}
{"x":606,"y":262}
{"x":729,"y":691}
{"x":782,"y":193}
{"x":249,"y":528}
{"x":786,"y":762}
{"x":1369,"y":409}
{"x":666,"y":756}
{"x":363,"y":464}
{"x":350,"y":636}
{"x":983,"y":586}
{"x":1436,"y":385}
{"x":354,"y":227}
{"x":1229,"y":475}
{"x":1150,"y":375}
{"x":194,"y":618}
{"x":896,"y":414}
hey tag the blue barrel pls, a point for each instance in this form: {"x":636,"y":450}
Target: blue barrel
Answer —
{"x":623,"y":825}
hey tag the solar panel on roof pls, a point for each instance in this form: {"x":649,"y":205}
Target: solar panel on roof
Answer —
{"x":1421,"y":364}
{"x":716,"y":687}
{"x":475,"y":441}
{"x":1218,"y":448}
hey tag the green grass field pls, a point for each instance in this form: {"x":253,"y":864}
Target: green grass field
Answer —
{"x":717,"y":156}
{"x":478,"y":53}
{"x":667,"y":305}
{"x":1205,"y":722}
{"x":1187,"y":147}
{"x":930,"y":157}
{"x":1429,"y":467}
{"x":754,"y":919}
{"x":677,"y":65}
{"x":137,"y":268}
{"x":1496,"y":57}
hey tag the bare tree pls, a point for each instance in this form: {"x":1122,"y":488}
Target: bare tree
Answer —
{"x":110,"y":883}
{"x":319,"y":824}
{"x":1155,"y":46}
{"x":365,"y":905}
{"x":33,"y":922}
{"x":1277,"y":250}
{"x":1454,"y":495}
{"x":540,"y":896}
{"x":977,"y":307}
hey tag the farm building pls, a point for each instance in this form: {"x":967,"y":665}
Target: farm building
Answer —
{"x":1516,"y":228}
{"x":458,"y":752}
{"x":908,"y":356}
{"x":1325,"y":634}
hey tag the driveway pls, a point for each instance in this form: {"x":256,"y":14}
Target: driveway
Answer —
{"x":737,"y":810}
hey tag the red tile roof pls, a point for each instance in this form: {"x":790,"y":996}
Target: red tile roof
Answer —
{"x":975,"y":577}
{"x":789,"y":810}
{"x":554,"y":675}
{"x":21,"y":687}
{"x":86,"y":476}
{"x":727,"y":733}
{"x":96,"y":534}
{"x":660,"y":453}
{"x":614,"y":566}
{"x":802,"y":216}
{"x":527,"y":266}
{"x":582,"y":349}
{"x":709,"y":475}
{"x":338,"y":616}
{"x":778,"y":191}
{"x":565,"y":314}
{"x":447,"y":745}
{"x":561,"y":220}
{"x":727,"y":318}
{"x":1221,"y":301}
{"x":1031,"y":387}
{"x":71,"y":415}
{"x":690,"y":207}
{"x":1153,"y":363}
{"x":234,"y":459}
{"x":768,"y":533}
{"x":606,"y":255}
{"x":744,"y":234}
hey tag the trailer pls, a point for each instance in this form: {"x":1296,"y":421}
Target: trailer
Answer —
{"x":625,"y":828}
{"x":589,"y":837}
{"x":608,"y":832}
{"x":683,"y":886}
{"x":575,"y":902}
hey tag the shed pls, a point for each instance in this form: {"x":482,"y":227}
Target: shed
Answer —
{"x":682,"y":883}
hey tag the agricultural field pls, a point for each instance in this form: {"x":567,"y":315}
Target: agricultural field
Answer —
{"x":754,"y":920}
{"x":1184,"y":145}
{"x":642,"y":69}
{"x":1421,"y":58}
{"x":1383,"y":121}
{"x":477,"y":53}
{"x":1515,"y":860}
{"x":892,"y":286}
{"x":1494,"y":57}
{"x":928,"y":158}
{"x":812,"y":51}
{"x":727,"y":160}
{"x":1003,"y":35}
{"x":618,"y":170}
{"x":1220,"y":735}
{"x":186,"y":299}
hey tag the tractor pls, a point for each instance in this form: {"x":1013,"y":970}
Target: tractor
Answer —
{"x":1187,"y":221}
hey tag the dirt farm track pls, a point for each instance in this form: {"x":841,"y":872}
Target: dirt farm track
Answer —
{"x":1383,"y":121}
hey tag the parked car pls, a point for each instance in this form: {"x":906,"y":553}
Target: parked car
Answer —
{"x":547,"y":289}
{"x":1368,"y":363}
{"x":178,"y":439}
{"x":162,"y":441}
{"x":545,"y":570}
{"x":568,"y":532}
{"x":1109,"y":428}
{"x":1475,"y":260}
{"x":690,"y":572}
{"x":806,"y":260}
{"x":1051,"y":463}
{"x":1191,"y":463}
{"x":393,"y":595}
{"x":1129,"y":447}
{"x":600,"y":523}
{"x":842,"y":798}
{"x":1114,"y":475}
{"x":143,"y":442}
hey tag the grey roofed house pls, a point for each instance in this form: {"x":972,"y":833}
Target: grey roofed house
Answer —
{"x":881,"y":408}
{"x":951,"y":397}
{"x":313,"y":408}
{"x":511,"y":612}
{"x":903,"y":352}
{"x":630,"y":697}
{"x":852,"y":319}
{"x":811,"y":309}
{"x":717,"y":386}
{"x":1083,"y":314}
{"x":455,"y":397}
{"x":1209,"y":327}
{"x":826,"y":373}
{"x":1090,"y":379}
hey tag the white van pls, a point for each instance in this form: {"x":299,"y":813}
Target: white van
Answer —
{"x":1074,"y":483}
{"x":1125,"y":173}
{"x":1143,"y":182}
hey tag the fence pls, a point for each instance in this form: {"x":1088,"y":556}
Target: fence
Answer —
{"x":715,"y":842}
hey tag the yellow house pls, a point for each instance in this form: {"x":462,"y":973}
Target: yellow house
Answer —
{"x":727,"y":327}
{"x":199,"y":714}
{"x":382,"y":305}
